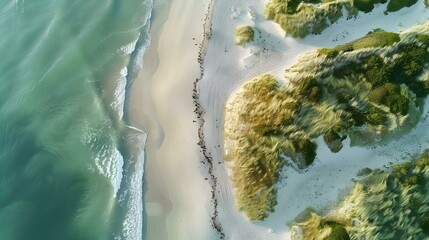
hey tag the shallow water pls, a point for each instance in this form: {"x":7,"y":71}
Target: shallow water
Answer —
{"x":66,"y":168}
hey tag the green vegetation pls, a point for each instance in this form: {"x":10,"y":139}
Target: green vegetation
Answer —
{"x":376,"y":38}
{"x":366,"y":5}
{"x":384,"y":205}
{"x":244,"y":34}
{"x":333,"y":140}
{"x":328,"y":52}
{"x":357,"y":94}
{"x":396,"y":5}
{"x":300,"y":17}
{"x":315,"y":227}
{"x":390,"y":95}
{"x":338,"y":232}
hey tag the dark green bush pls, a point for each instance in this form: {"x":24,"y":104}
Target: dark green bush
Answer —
{"x":425,"y":225}
{"x":338,"y":232}
{"x":356,"y":115}
{"x":423,"y":38}
{"x":331,"y":136}
{"x":366,"y":5}
{"x":396,"y":5}
{"x":390,"y":95}
{"x":343,"y":97}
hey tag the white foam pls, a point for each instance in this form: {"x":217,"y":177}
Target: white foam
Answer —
{"x":109,"y":164}
{"x":119,"y":95}
{"x":133,"y":224}
{"x":129,"y":48}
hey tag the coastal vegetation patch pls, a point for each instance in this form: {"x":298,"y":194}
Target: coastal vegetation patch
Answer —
{"x":370,"y":90}
{"x":385,"y":204}
{"x":300,"y":18}
{"x":244,"y":34}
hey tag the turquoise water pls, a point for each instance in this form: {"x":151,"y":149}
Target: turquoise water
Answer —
{"x":69,"y":168}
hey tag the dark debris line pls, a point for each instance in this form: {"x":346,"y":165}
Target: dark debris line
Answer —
{"x":208,"y":160}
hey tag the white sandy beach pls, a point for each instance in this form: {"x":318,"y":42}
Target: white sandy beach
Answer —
{"x":177,"y":196}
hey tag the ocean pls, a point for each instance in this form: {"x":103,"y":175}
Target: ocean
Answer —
{"x":70,"y":167}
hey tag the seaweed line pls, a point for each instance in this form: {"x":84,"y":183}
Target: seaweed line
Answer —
{"x":207,"y":160}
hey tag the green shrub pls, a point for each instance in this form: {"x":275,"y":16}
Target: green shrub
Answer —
{"x":376,"y":71}
{"x":338,"y":232}
{"x":410,"y":63}
{"x":396,"y":5}
{"x":366,"y":5}
{"x":390,"y":95}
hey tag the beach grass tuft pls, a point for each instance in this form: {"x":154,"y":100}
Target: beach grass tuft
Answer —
{"x":244,"y":34}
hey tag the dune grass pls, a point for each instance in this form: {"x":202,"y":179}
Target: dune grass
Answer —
{"x":385,"y":204}
{"x":299,"y":17}
{"x":335,"y":97}
{"x":244,"y":34}
{"x":376,"y":38}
